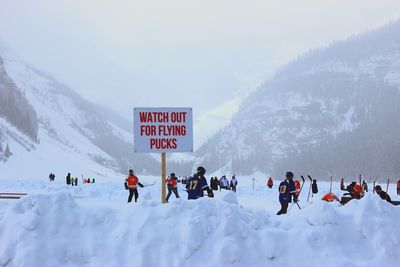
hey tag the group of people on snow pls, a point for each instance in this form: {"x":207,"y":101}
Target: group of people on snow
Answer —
{"x":223,"y":183}
{"x":73,"y":181}
{"x":196,"y":187}
{"x":52,"y":177}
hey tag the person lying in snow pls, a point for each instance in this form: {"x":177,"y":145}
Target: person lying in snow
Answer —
{"x":286,"y":189}
{"x":382,"y":194}
{"x":355,"y":191}
{"x":132,"y":183}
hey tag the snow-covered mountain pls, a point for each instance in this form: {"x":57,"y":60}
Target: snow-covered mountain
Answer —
{"x":50,"y":128}
{"x":333,"y":111}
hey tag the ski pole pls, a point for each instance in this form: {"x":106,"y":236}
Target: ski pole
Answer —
{"x":387,"y":188}
{"x":373,"y":189}
{"x":309,"y":191}
{"x":311,"y":183}
{"x":304,"y":180}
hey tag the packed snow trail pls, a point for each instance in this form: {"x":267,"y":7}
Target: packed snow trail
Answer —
{"x":52,"y":228}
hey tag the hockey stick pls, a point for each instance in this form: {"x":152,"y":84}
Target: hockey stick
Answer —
{"x":309,"y":191}
{"x":373,"y":189}
{"x":387,"y":188}
{"x":330,"y":188}
{"x":304,"y":181}
{"x":297,"y":205}
{"x":146,"y":185}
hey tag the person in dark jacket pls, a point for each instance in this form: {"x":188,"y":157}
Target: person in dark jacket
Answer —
{"x":214,"y":183}
{"x":197,"y":184}
{"x":68,"y":179}
{"x":233,"y":183}
{"x":286,"y":189}
{"x":382,"y":194}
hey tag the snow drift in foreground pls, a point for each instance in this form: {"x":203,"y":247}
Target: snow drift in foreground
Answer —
{"x":53,"y":229}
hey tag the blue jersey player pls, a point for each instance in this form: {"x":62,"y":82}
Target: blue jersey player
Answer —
{"x":196,"y":184}
{"x":286,"y":189}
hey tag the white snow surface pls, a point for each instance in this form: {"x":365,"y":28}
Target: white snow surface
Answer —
{"x":92,"y":225}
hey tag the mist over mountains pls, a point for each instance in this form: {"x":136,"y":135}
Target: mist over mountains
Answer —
{"x":45,"y":122}
{"x":333,"y":111}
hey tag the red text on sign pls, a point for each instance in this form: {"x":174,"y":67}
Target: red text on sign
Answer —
{"x":163,"y":143}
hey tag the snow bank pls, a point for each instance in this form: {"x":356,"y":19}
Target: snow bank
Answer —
{"x":53,"y":229}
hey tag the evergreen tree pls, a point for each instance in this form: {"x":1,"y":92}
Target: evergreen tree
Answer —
{"x":7,"y":152}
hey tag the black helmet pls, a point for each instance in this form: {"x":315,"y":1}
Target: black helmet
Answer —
{"x":172,"y":175}
{"x":130,"y":171}
{"x":201,"y":170}
{"x":289,"y":175}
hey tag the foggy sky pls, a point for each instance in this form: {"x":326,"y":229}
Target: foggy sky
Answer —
{"x":176,"y":53}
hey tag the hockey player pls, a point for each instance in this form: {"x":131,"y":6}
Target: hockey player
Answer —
{"x":286,"y":190}
{"x":342,"y":187}
{"x":233,"y":183}
{"x":382,"y":194}
{"x":132,"y":183}
{"x":297,"y":185}
{"x":196,"y":184}
{"x":270,"y":182}
{"x":223,"y":183}
{"x":355,"y":191}
{"x":398,"y":187}
{"x":172,"y":183}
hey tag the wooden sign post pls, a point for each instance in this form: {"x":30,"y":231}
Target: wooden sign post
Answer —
{"x":163,"y":130}
{"x":163,"y":177}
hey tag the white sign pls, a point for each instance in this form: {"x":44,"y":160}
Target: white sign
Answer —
{"x":163,"y":130}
